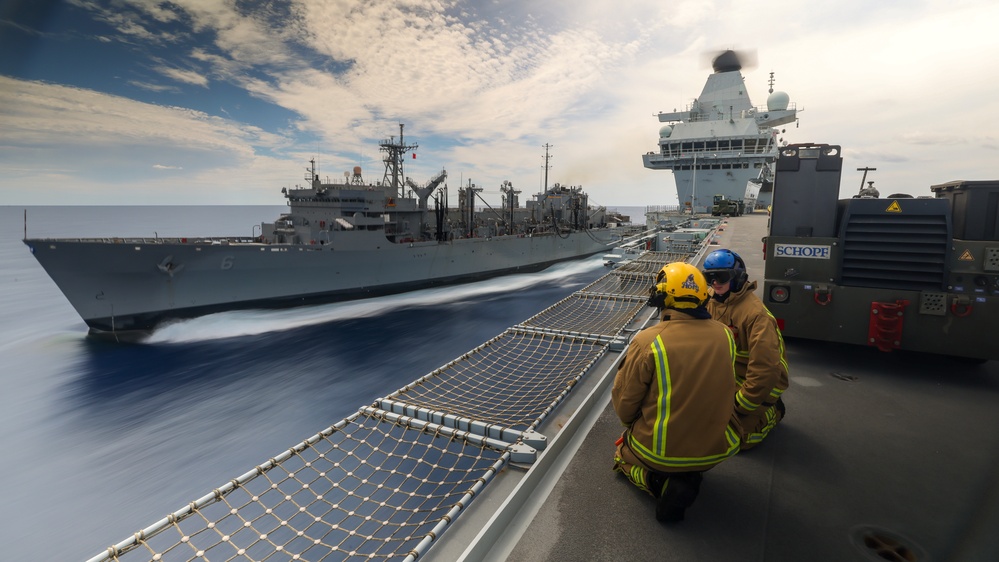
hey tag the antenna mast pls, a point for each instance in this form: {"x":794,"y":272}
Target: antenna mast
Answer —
{"x":393,"y":161}
{"x":547,"y":166}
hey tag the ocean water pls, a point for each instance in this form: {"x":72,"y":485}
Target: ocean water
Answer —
{"x":100,"y":440}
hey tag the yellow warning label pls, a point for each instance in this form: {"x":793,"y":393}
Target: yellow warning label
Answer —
{"x":894,"y":208}
{"x":966,"y":256}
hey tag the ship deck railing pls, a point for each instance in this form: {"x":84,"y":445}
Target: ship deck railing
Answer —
{"x":210,"y":241}
{"x":707,"y":157}
{"x":691,"y":117}
{"x":388,"y":480}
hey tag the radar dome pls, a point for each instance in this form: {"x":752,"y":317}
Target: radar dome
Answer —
{"x":665,"y":131}
{"x":778,"y":101}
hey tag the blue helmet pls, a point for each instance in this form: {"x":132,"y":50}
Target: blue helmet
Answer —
{"x":725,"y":265}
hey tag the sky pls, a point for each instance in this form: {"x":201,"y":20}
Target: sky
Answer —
{"x":196,"y":102}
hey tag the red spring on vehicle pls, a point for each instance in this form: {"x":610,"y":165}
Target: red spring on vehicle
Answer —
{"x":884,"y":330}
{"x":960,"y":309}
{"x":822,"y":297}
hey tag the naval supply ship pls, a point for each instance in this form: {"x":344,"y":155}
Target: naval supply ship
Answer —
{"x":721,"y":144}
{"x":338,"y":241}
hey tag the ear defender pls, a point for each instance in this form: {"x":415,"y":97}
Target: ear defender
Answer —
{"x":657,"y":296}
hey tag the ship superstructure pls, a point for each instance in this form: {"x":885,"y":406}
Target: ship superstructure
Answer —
{"x":338,"y":241}
{"x":721,"y":144}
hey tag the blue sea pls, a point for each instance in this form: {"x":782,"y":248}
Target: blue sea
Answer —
{"x":100,"y":440}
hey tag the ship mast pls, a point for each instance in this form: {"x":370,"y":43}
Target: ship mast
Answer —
{"x":547,"y":166}
{"x":393,"y":161}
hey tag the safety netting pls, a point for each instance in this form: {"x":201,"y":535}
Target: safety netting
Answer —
{"x":649,"y":263}
{"x":372,"y":487}
{"x":597,"y":316}
{"x":621,"y":284}
{"x":388,"y":480}
{"x":510,"y":381}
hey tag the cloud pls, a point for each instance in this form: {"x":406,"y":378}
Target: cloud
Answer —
{"x":39,"y":113}
{"x":100,"y":141}
{"x":153,"y":87}
{"x":186,"y":76}
{"x":482,"y":86}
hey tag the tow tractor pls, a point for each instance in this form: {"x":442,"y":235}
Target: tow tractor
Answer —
{"x":895,"y":273}
{"x":721,"y":205}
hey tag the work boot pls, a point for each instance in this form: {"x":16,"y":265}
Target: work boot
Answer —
{"x":781,"y":408}
{"x":695,"y":478}
{"x":681,"y":491}
{"x":655,"y":483}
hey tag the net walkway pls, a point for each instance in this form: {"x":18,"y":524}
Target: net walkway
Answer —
{"x":386,"y":482}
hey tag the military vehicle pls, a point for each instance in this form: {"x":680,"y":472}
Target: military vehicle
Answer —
{"x":722,"y":205}
{"x":896,"y":273}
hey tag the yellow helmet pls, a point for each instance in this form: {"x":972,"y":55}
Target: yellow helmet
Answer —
{"x":679,"y":285}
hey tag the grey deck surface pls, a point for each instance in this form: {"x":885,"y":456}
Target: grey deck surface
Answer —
{"x":882,"y":456}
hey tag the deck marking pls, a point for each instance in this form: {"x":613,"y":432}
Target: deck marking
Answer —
{"x":806,"y":381}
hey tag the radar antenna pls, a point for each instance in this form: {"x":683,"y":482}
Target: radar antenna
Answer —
{"x":729,"y":60}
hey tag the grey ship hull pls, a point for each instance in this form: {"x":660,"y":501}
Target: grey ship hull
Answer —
{"x":125,"y":288}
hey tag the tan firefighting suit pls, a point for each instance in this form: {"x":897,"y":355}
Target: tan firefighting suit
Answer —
{"x":760,"y":366}
{"x":673,"y":391}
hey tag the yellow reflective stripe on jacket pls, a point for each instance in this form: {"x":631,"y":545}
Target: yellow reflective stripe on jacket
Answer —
{"x":665,"y":385}
{"x":771,"y":416}
{"x":731,"y":437}
{"x":733,"y":351}
{"x":775,"y":392}
{"x":740,"y":399}
{"x":780,"y":342}
{"x":744,"y":402}
{"x":638,"y":477}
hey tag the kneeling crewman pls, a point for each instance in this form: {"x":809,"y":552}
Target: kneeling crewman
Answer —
{"x":760,"y":366}
{"x":673,"y":391}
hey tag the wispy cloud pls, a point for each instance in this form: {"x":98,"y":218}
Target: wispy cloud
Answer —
{"x":483,"y":85}
{"x":186,"y":76}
